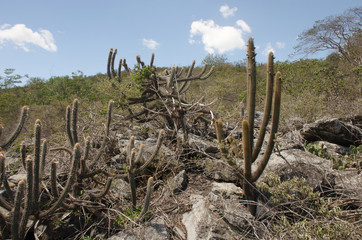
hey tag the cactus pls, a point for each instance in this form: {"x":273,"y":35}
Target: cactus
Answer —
{"x":220,"y":136}
{"x":147,"y":200}
{"x":110,"y":66}
{"x":28,"y":197}
{"x":71,"y":177}
{"x":21,"y":209}
{"x":36,"y":166}
{"x":267,"y":107}
{"x":17,"y":211}
{"x":272,"y":106}
{"x":15,"y":134}
{"x":247,"y":184}
{"x":105,"y":136}
{"x":161,"y":94}
{"x":32,"y":185}
{"x":134,"y":162}
{"x":71,"y":126}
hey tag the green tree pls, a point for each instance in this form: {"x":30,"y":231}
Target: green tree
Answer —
{"x":10,"y":78}
{"x":215,"y":59}
{"x":340,"y":33}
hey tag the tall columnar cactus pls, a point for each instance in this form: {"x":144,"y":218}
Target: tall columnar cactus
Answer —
{"x":272,"y":104}
{"x":272,"y":107}
{"x":71,"y":119}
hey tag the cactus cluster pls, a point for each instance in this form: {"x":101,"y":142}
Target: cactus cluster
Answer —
{"x":161,"y":94}
{"x":272,"y":107}
{"x":29,"y":201}
{"x":137,"y":165}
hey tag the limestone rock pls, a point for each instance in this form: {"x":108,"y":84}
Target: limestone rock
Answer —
{"x":332,"y":149}
{"x":297,"y":163}
{"x":201,"y":223}
{"x":154,"y":230}
{"x":178,"y":183}
{"x":219,"y":170}
{"x":333,"y":130}
{"x":348,"y":183}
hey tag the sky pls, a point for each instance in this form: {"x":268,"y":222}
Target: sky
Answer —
{"x":44,"y":38}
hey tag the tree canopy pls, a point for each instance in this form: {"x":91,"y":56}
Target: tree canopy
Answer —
{"x":214,"y":59}
{"x":340,"y":33}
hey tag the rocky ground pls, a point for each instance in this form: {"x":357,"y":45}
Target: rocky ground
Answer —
{"x":197,"y":195}
{"x":208,"y":203}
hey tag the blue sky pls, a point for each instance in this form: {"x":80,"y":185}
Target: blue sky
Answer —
{"x":55,"y":38}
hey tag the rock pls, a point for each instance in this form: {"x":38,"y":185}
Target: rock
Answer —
{"x":121,"y":189}
{"x":334,"y":131}
{"x":154,"y":230}
{"x":295,"y":123}
{"x":226,"y":198}
{"x":201,"y":144}
{"x":291,"y":139}
{"x":178,"y":183}
{"x":226,"y":189}
{"x":297,"y":163}
{"x":220,"y":215}
{"x":201,"y":223}
{"x":212,"y":150}
{"x":219,"y":170}
{"x":17,"y":178}
{"x":332,"y":149}
{"x":193,"y":219}
{"x":348,"y":183}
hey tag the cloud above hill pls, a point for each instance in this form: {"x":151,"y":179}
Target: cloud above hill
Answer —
{"x":22,"y":36}
{"x":217,"y":38}
{"x":150,"y":43}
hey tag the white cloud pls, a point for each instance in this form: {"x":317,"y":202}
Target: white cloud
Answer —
{"x":226,"y":11}
{"x":268,"y":48}
{"x":280,"y":44}
{"x":217,"y":38}
{"x":22,"y":36}
{"x":244,"y":26}
{"x":150,"y":43}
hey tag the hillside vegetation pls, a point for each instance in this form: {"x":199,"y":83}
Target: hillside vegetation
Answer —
{"x":311,"y":88}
